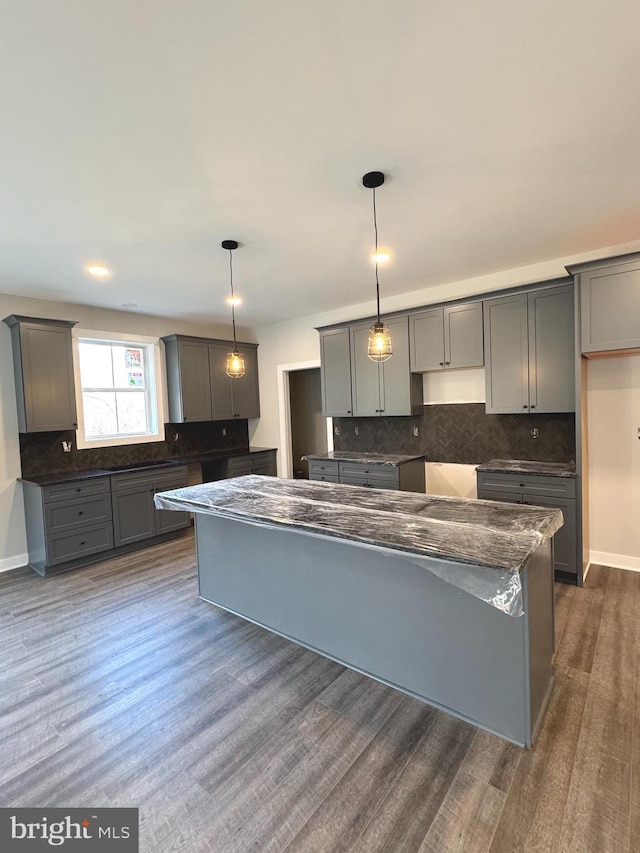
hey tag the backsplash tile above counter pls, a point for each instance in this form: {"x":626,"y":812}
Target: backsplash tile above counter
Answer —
{"x":462,"y":433}
{"x":42,"y":452}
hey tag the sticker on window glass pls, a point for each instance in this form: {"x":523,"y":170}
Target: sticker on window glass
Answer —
{"x":133,"y":358}
{"x":136,"y":379}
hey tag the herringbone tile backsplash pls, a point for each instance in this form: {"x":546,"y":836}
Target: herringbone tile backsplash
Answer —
{"x":462,"y":433}
{"x":42,"y":453}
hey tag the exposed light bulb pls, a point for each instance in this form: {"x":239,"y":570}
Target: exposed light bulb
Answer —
{"x":235,"y":365}
{"x":381,"y":257}
{"x":379,"y":345}
{"x":234,"y":300}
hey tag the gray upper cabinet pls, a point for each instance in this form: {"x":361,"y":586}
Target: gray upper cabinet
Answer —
{"x":335,"y":370}
{"x":200,"y":390}
{"x":609,"y":304}
{"x":43,"y":370}
{"x":388,"y":388}
{"x":447,"y":338}
{"x":529,"y":348}
{"x":188,"y":380}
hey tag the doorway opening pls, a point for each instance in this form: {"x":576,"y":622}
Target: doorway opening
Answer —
{"x":303,"y":428}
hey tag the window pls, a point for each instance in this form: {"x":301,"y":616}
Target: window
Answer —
{"x":116,"y":390}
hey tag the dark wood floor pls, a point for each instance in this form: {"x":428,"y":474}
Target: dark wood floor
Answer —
{"x":120,"y":687}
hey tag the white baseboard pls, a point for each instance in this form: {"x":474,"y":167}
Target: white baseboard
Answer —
{"x":616,"y":561}
{"x":9,"y":563}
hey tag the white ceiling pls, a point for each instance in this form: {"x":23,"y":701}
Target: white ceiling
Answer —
{"x":141,"y":134}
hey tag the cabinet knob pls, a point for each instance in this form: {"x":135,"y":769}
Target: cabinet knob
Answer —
{"x":533,"y":405}
{"x":441,"y":363}
{"x":81,"y":512}
{"x":447,"y":362}
{"x":348,"y":411}
{"x":74,"y":424}
{"x":524,"y":406}
{"x":79,"y":489}
{"x":185,"y":419}
{"x":82,"y":543}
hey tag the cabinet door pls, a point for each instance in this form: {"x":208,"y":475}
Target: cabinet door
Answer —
{"x":195,"y":388}
{"x":244,"y":390}
{"x":610,"y":307}
{"x":564,"y":541}
{"x":221,"y":393}
{"x":47,"y":377}
{"x":426,"y":336}
{"x":168,"y":520}
{"x":551,"y":350}
{"x":365,"y":374}
{"x":395,"y":374}
{"x":335,"y":372}
{"x":133,"y":515}
{"x":507,"y":355}
{"x":463,"y":336}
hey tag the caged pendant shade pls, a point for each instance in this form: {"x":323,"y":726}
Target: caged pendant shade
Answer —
{"x":379,"y":347}
{"x":235,"y":360}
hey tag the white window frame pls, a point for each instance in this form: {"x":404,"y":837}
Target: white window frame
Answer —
{"x":157,"y":394}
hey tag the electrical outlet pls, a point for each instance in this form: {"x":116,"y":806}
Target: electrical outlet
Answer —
{"x":416,"y":430}
{"x":66,"y":446}
{"x":535,"y":432}
{"x":175,"y":436}
{"x":356,"y":430}
{"x":336,"y":431}
{"x":224,"y":431}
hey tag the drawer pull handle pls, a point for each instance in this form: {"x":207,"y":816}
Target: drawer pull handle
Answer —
{"x":79,"y":489}
{"x":82,"y":543}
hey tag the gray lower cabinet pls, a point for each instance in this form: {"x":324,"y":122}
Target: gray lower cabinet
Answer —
{"x":43,"y":372}
{"x":75,"y":523}
{"x":558,"y":492}
{"x":261,"y":462}
{"x":135,"y":517}
{"x":609,"y":304}
{"x":406,"y":476}
{"x":529,"y":348}
{"x":198,"y":386}
{"x":447,"y":338}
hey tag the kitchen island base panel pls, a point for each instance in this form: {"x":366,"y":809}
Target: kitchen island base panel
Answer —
{"x":390,"y":619}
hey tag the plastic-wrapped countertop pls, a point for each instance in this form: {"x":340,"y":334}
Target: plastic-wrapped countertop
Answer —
{"x":478,"y":546}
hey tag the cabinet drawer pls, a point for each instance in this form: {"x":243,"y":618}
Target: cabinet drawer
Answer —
{"x":328,"y":478}
{"x":239,"y":466}
{"x":149,"y":477}
{"x":353,"y":479}
{"x":68,"y":515}
{"x":324,"y":466}
{"x":62,"y":547}
{"x":75,"y":489}
{"x":528,"y":484}
{"x":380,"y":472}
{"x":266,"y":467}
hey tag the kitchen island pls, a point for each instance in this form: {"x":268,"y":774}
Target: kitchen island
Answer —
{"x":449,"y":600}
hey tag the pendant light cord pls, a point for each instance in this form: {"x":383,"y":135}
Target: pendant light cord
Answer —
{"x":375,"y":228}
{"x":233,"y":307}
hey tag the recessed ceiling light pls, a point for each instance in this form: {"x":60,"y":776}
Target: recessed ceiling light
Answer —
{"x":98,"y":271}
{"x":234,"y":300}
{"x":381,"y":257}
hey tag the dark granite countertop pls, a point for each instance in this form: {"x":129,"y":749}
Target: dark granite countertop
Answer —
{"x":61,"y":477}
{"x":478,"y":533}
{"x":522,"y":466}
{"x":394,"y":459}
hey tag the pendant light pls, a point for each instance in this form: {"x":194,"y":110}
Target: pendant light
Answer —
{"x":235,"y":360}
{"x":379,"y":347}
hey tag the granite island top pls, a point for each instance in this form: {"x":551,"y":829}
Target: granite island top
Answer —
{"x":61,"y":477}
{"x":459,"y":530}
{"x":367,"y":458}
{"x":522,"y":466}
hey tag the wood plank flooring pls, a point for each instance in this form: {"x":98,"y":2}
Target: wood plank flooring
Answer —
{"x":119,"y":687}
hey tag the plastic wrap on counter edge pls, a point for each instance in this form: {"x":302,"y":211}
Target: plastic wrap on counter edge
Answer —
{"x":501,"y":589}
